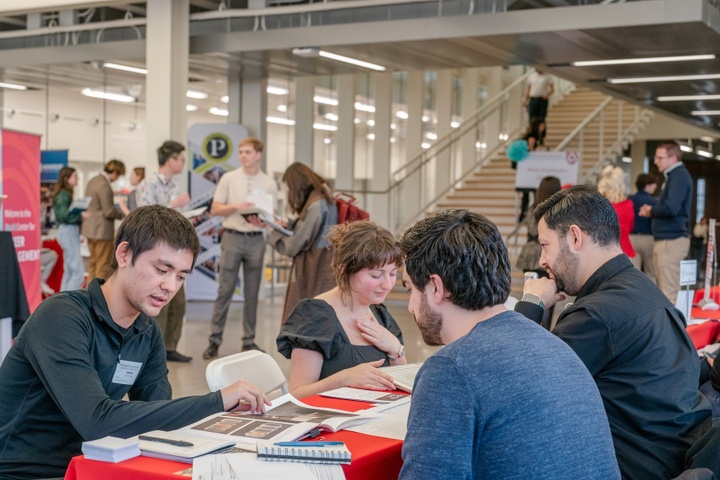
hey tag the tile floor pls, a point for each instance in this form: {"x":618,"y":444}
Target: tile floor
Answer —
{"x":189,"y":378}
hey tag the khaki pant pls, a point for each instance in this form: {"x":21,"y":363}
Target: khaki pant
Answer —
{"x":170,"y":320}
{"x":643,"y":259}
{"x":101,"y":254}
{"x":667,"y":255}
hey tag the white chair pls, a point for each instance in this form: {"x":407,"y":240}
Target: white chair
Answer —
{"x":254,"y":367}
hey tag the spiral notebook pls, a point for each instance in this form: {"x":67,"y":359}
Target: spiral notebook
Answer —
{"x":335,"y":454}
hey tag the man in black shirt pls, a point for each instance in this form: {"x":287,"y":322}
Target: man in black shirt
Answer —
{"x":628,"y":334}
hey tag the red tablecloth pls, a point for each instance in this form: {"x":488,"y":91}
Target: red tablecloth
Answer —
{"x":372,"y":457}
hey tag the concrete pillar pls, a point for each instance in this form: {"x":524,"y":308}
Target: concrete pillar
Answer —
{"x":408,"y":198}
{"x":445,"y":161}
{"x":345,"y":156}
{"x":304,"y":119}
{"x":380,"y":179}
{"x":494,"y":124}
{"x":469,"y":106}
{"x":167,"y":80}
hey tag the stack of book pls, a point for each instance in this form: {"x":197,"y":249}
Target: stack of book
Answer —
{"x":310,"y":452}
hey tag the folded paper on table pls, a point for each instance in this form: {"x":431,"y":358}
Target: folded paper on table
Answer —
{"x":360,"y":395}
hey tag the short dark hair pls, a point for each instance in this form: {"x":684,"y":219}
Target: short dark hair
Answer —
{"x":361,"y":245}
{"x":466,"y":251}
{"x":115,"y":166}
{"x":643,"y":180}
{"x":584,"y":206}
{"x":147,"y":226}
{"x":168,"y":149}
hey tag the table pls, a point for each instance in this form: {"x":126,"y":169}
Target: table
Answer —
{"x":372,"y":457}
{"x":704,"y":333}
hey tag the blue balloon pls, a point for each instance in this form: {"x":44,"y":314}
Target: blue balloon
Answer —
{"x":517,"y":150}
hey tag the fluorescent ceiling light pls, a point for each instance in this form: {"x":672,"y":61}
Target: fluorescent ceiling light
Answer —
{"x":13,"y":86}
{"x":280,"y":120}
{"x":626,"y":61}
{"x":115,"y":97}
{"x":364,"y":108}
{"x":220,"y":112}
{"x":190,"y":107}
{"x":705,"y":112}
{"x":325,"y":100}
{"x":402,"y":114}
{"x":371,"y":123}
{"x":276,"y":90}
{"x":197,"y":95}
{"x":673,"y":78}
{"x":327,"y":141}
{"x":225,"y":99}
{"x":708,"y":139}
{"x":351,"y":61}
{"x":125,"y":68}
{"x":331,"y":117}
{"x":703,"y":153}
{"x":685,"y":148}
{"x":425,"y":145}
{"x":282,"y":108}
{"x":370,"y":136}
{"x":682,"y":98}
{"x":627,"y":159}
{"x":431,"y":136}
{"x":454,"y":124}
{"x":327,"y":128}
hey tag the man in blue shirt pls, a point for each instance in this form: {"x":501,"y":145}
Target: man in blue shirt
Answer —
{"x":504,"y":398}
{"x":670,"y":217}
{"x":641,"y":236}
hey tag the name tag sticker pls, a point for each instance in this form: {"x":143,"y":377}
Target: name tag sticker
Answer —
{"x":126,"y":372}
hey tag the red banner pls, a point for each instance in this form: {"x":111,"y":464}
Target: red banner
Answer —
{"x":20,"y":167}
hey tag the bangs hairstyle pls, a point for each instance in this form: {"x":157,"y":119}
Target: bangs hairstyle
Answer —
{"x":147,"y":226}
{"x":360,"y":245}
{"x":466,"y":251}
{"x":584,"y":206}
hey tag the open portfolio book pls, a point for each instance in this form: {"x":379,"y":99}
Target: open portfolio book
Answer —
{"x":403,"y":375}
{"x":267,"y":217}
{"x":287,"y":420}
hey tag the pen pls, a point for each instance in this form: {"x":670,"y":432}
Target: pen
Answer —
{"x":307,"y":444}
{"x":177,"y":443}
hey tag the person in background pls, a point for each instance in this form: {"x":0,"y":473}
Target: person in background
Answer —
{"x":670,"y":218}
{"x":626,"y":332}
{"x":338,"y":338}
{"x":539,"y":88}
{"x":99,"y":227}
{"x":48,"y":259}
{"x":478,"y":411}
{"x":69,"y":229}
{"x":242,"y":243}
{"x":91,"y":363}
{"x":535,"y":137}
{"x":310,"y":198}
{"x":611,"y":185}
{"x":641,"y":236}
{"x":137,"y":176}
{"x":529,"y":258}
{"x":159,"y":189}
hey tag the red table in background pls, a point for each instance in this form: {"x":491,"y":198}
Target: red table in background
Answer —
{"x":372,"y":457}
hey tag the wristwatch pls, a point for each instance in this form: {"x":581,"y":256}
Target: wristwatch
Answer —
{"x":400,"y":353}
{"x":532,"y":298}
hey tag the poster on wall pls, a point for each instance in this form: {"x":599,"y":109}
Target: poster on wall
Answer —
{"x":213,"y":150}
{"x":538,"y":165}
{"x":20,"y":208}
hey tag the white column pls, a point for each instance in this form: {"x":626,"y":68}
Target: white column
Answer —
{"x":409,"y":199}
{"x":167,"y":62}
{"x":443,"y":110}
{"x":345,"y":162}
{"x":304,"y":119}
{"x":378,"y":204}
{"x":469,"y":106}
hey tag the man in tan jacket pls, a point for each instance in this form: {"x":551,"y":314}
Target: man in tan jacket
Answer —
{"x":99,"y":228}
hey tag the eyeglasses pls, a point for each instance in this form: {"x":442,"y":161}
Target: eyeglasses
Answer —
{"x":658,"y":157}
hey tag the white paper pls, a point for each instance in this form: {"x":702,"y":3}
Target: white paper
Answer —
{"x":249,"y":467}
{"x":213,"y":467}
{"x":194,"y":212}
{"x":262,"y":199}
{"x":392,"y":424}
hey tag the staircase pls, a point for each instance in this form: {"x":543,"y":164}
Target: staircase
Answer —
{"x":589,"y":122}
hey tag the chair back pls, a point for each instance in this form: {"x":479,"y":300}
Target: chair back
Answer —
{"x":254,"y":367}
